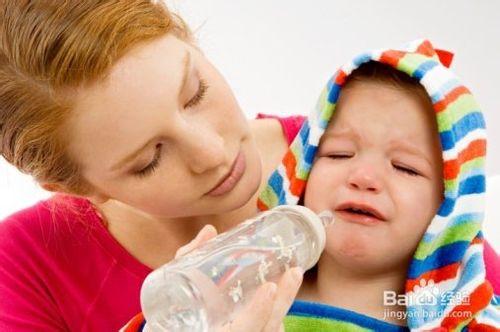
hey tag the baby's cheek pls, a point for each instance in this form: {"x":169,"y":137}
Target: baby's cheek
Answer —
{"x":421,"y":209}
{"x":417,"y":212}
{"x":319,"y":187}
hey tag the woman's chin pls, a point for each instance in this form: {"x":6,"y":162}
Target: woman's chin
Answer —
{"x":243,"y":193}
{"x":246,"y":192}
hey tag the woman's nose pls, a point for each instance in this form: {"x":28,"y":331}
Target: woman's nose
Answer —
{"x":203,"y":149}
{"x":365,"y":178}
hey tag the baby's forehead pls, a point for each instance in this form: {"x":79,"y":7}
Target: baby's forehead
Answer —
{"x":368,"y":107}
{"x":359,"y":133}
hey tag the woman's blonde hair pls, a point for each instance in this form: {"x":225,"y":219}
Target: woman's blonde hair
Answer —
{"x":48,"y":46}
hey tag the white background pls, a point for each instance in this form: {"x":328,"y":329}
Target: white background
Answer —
{"x":277,"y":55}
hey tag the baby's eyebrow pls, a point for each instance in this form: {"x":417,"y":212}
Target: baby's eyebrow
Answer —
{"x":405,"y":146}
{"x":342,"y":133}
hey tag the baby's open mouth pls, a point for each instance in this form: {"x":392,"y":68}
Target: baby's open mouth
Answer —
{"x":360,"y":209}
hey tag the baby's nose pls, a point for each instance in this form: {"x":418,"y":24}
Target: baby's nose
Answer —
{"x":365,"y":178}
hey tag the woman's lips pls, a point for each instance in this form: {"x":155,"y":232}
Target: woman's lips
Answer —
{"x":358,"y":218}
{"x":229,"y":181}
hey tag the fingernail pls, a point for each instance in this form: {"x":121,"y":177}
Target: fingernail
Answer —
{"x":202,"y":231}
{"x":271,"y":289}
{"x":298,"y":274}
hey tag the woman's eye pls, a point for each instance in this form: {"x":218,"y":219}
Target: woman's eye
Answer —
{"x":149,"y":169}
{"x":200,"y":94}
{"x":406,"y":170}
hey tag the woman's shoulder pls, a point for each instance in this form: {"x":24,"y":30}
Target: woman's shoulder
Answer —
{"x":279,"y":127}
{"x":38,"y":259}
{"x":273,"y":135}
{"x":53,"y":209}
{"x":59,"y":255}
{"x":49,"y":229}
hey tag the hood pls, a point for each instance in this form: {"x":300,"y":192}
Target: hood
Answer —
{"x":446,"y":280}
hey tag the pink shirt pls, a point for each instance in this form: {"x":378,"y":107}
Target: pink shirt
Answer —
{"x":61,"y":270}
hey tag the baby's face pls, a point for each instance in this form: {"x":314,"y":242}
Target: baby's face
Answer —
{"x":381,"y":154}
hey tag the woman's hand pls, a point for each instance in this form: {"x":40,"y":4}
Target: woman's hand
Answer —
{"x":206,"y":233}
{"x":270,"y":303}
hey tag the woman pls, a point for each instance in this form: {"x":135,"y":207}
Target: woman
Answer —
{"x":111,"y":103}
{"x":112,"y":106}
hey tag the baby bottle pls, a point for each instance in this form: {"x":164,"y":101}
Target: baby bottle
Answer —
{"x":204,"y":289}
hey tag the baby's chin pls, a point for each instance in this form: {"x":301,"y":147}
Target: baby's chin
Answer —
{"x":362,"y":251}
{"x":356,"y":240}
{"x":357,"y":260}
{"x":354,"y":249}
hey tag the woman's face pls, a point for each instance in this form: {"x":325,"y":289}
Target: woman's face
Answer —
{"x":162,"y":131}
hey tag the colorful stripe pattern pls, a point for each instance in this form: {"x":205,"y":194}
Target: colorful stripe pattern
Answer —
{"x":309,"y":316}
{"x":450,"y":255}
{"x":136,"y":324}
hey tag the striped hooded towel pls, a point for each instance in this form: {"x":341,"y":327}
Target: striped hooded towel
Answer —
{"x":449,"y":258}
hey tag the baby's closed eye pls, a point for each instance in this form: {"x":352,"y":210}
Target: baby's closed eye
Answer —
{"x":341,"y":155}
{"x":406,"y":170}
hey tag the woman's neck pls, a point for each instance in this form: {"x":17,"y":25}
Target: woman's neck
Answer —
{"x":357,"y":291}
{"x":154,"y":242}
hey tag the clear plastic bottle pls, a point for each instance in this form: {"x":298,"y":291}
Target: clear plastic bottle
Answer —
{"x":204,"y":289}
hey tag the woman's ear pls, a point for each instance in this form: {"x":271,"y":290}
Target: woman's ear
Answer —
{"x":95,"y":197}
{"x":53,"y":187}
{"x":98,"y":198}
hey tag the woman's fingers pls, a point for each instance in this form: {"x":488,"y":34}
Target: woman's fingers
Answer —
{"x":269,"y":305}
{"x":207,"y":232}
{"x":256,"y":313}
{"x":288,"y":287}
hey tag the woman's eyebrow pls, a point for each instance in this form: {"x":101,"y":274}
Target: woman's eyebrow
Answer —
{"x":186,"y":65}
{"x":131,"y":157}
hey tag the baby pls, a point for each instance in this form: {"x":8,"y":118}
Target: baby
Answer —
{"x":379,"y":168}
{"x":401,"y":167}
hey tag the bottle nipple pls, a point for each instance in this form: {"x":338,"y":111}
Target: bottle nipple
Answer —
{"x":326,"y":218}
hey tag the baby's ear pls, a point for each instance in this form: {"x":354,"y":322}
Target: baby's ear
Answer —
{"x":445,"y":57}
